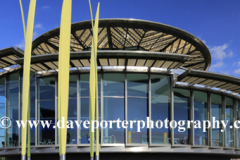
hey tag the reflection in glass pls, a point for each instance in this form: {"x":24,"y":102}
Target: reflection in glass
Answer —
{"x":12,"y":113}
{"x":84,"y":115}
{"x":46,"y":112}
{"x":84,"y":137}
{"x":73,"y":86}
{"x":2,"y":81}
{"x":238,"y":119}
{"x":2,"y":138}
{"x":200,"y":114}
{"x":216,"y":107}
{"x":137,"y":106}
{"x":2,"y":97}
{"x":13,"y":78}
{"x":181,"y":112}
{"x":113,"y":84}
{"x":113,"y":109}
{"x":113,"y":106}
{"x":12,"y":93}
{"x":12,"y":137}
{"x":229,"y":119}
{"x":160,"y":107}
{"x":46,"y":88}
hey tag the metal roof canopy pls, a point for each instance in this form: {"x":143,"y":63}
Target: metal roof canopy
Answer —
{"x":8,"y":55}
{"x":130,"y":34}
{"x":211,"y":79}
{"x":110,"y":58}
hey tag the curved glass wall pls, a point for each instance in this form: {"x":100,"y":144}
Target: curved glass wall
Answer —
{"x":122,"y":96}
{"x":200,"y":114}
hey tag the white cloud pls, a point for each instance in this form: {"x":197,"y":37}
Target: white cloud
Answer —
{"x":204,"y":41}
{"x":21,"y":45}
{"x":39,"y":25}
{"x":237,"y":71}
{"x":45,"y":7}
{"x":219,"y":52}
{"x":217,"y":65}
{"x":239,"y":63}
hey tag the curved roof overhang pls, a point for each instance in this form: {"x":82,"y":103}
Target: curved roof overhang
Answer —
{"x":211,"y":80}
{"x":110,"y":58}
{"x":130,"y":34}
{"x":8,"y":55}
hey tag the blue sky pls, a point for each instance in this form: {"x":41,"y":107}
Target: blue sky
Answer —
{"x":216,"y":22}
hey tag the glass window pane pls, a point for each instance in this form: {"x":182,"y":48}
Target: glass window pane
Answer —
{"x":72,"y":132}
{"x":113,"y":109}
{"x":137,"y":109}
{"x":216,"y":107}
{"x":200,"y":114}
{"x":137,"y":85}
{"x":32,"y":90}
{"x":12,"y":93}
{"x":13,"y":78}
{"x":113,"y":84}
{"x":46,"y":136}
{"x":238,"y":118}
{"x":84,"y":115}
{"x":160,"y":103}
{"x":84,"y":85}
{"x":2,"y":138}
{"x":2,"y":81}
{"x":229,"y":118}
{"x":12,"y":113}
{"x":2,"y":96}
{"x":73,"y":86}
{"x":12,"y":137}
{"x":72,"y":108}
{"x":137,"y":106}
{"x":46,"y":88}
{"x":2,"y":112}
{"x":181,"y":112}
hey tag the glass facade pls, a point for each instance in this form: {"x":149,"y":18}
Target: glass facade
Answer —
{"x":122,"y":96}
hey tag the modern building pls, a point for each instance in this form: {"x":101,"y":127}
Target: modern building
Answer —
{"x":145,"y":69}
